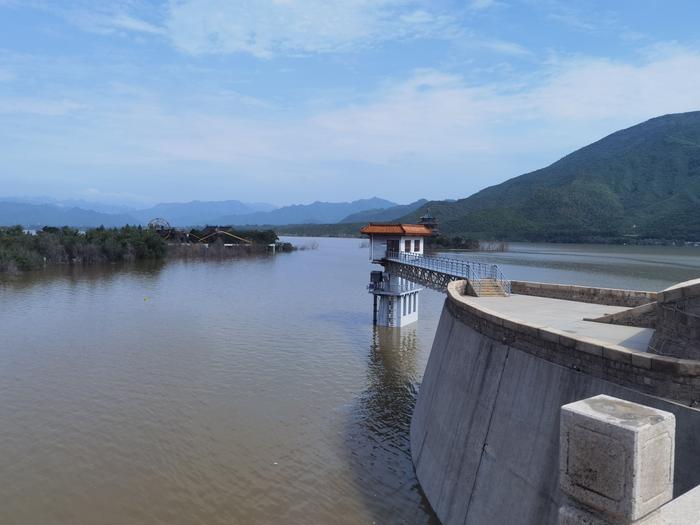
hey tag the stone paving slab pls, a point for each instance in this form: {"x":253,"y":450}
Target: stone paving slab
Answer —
{"x":568,"y":316}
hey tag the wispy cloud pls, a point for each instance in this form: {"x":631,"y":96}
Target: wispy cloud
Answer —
{"x":483,"y":4}
{"x":470,"y":119}
{"x":94,"y":17}
{"x":267,"y":27}
{"x":501,"y":46}
{"x":130,"y":23}
{"x":575,"y":21}
{"x":438,"y":117}
{"x":431,"y":116}
{"x":101,"y":22}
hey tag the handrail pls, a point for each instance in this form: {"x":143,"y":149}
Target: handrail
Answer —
{"x":384,"y":286}
{"x":475,"y":272}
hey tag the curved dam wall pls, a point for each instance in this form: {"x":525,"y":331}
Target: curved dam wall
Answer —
{"x":485,"y":431}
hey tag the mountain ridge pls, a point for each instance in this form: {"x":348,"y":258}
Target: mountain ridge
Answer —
{"x":383,"y":214}
{"x":317,"y":212}
{"x":39,"y":213}
{"x":640,"y":181}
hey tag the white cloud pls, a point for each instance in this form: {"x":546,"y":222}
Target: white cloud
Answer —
{"x":266,"y":27}
{"x":431,"y":123}
{"x":436,"y":117}
{"x":501,"y":46}
{"x":591,"y":89}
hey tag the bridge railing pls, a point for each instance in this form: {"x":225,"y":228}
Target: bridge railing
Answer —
{"x":384,"y":286}
{"x":475,"y":272}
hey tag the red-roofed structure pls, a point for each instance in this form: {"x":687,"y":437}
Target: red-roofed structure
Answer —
{"x":395,"y":238}
{"x":418,"y":230}
{"x":395,"y":298}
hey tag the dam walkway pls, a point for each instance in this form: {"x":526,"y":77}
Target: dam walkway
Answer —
{"x":437,"y":272}
{"x":575,"y":318}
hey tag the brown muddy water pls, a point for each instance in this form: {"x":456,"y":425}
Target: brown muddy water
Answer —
{"x":235,"y":392}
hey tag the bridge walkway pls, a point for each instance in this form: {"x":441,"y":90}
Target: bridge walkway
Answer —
{"x":437,"y":272}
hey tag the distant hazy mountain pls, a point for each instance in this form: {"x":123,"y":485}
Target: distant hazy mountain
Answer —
{"x":196,"y":213}
{"x":199,"y":212}
{"x":384,"y":215}
{"x":35,"y":215}
{"x":644,"y":180}
{"x":100,"y":207}
{"x":314,"y":213}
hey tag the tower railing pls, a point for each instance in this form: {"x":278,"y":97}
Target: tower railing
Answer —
{"x":384,"y":286}
{"x":473,"y":271}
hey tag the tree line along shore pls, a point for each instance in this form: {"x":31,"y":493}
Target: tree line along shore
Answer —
{"x":26,"y":250}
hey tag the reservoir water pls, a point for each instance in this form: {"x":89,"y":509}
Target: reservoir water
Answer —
{"x":240,"y":391}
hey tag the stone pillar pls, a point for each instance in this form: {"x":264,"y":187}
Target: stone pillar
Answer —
{"x":615,"y":461}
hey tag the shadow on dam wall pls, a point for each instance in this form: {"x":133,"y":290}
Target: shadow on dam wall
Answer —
{"x":377,"y":433}
{"x":485,"y":431}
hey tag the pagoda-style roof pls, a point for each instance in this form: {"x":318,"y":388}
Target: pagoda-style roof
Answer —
{"x":419,"y":230}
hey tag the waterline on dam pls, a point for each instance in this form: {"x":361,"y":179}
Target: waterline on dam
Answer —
{"x":248,"y":391}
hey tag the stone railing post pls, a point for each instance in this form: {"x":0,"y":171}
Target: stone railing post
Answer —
{"x":615,"y":462}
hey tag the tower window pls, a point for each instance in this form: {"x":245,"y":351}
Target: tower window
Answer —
{"x":416,"y":245}
{"x":407,"y":246}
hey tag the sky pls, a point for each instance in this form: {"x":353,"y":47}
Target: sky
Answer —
{"x":291,"y":101}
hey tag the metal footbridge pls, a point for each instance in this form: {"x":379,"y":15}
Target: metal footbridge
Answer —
{"x":437,"y":272}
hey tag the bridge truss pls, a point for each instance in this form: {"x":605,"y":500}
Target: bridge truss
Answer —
{"x":423,"y":276}
{"x":437,"y":272}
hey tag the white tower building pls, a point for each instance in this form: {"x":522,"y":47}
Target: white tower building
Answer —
{"x":395,"y":298}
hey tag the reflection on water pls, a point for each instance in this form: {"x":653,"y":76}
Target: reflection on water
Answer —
{"x":240,"y":391}
{"x":378,"y":429}
{"x":246,"y":391}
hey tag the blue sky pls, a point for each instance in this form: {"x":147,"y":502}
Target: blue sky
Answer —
{"x":289,"y":101}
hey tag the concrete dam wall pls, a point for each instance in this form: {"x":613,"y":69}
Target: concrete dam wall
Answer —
{"x":485,"y":431}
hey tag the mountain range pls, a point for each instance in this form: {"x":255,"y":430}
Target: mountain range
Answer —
{"x":197,"y":213}
{"x":643,"y":181}
{"x":314,"y":213}
{"x":35,"y":213}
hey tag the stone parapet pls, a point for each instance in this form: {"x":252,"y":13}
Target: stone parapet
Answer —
{"x":485,"y":432}
{"x":669,"y":377}
{"x":678,"y":321}
{"x":584,"y":294}
{"x":644,"y":316}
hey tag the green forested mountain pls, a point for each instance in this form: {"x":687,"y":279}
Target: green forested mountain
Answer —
{"x":644,"y":181}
